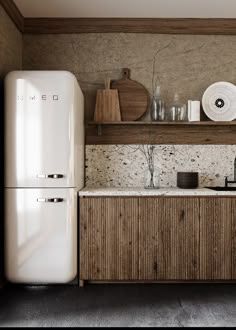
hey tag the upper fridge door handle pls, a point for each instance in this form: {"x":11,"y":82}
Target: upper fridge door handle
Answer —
{"x":50,"y":176}
{"x":50,"y":200}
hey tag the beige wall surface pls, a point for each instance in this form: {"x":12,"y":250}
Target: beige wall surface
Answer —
{"x":186,"y":64}
{"x":10,"y":59}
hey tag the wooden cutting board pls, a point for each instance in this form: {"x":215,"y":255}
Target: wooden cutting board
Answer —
{"x":133,"y":97}
{"x":107,"y":104}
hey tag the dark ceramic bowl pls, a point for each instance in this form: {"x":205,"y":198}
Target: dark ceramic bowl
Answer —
{"x":187,"y":180}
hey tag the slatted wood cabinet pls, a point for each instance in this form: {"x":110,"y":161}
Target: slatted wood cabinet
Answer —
{"x":157,"y":238}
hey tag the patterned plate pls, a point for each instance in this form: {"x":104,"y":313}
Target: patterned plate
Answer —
{"x":219,"y":101}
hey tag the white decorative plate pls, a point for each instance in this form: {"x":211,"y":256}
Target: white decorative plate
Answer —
{"x":219,"y":101}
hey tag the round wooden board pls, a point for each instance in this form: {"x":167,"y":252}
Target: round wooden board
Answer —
{"x":133,"y":97}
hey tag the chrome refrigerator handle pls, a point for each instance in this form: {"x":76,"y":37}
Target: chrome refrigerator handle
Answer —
{"x":50,"y":200}
{"x":50,"y":176}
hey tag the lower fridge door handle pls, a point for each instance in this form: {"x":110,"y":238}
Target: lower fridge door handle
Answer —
{"x":50,"y":176}
{"x":50,"y":200}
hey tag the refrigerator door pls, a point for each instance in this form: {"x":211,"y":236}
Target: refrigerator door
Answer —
{"x":40,"y":235}
{"x":43,"y":116}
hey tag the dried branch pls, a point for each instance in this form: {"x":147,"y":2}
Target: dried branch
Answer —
{"x":158,"y":52}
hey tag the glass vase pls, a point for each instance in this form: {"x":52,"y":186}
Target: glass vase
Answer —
{"x":152,"y":178}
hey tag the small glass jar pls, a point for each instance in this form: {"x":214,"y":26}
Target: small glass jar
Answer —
{"x":177,"y":110}
{"x":152,"y":178}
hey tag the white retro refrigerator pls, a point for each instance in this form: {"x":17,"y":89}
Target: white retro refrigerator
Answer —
{"x":44,"y":169}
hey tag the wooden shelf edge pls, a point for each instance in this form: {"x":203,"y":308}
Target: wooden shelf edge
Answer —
{"x":161,"y":123}
{"x":155,"y":133}
{"x":62,"y":25}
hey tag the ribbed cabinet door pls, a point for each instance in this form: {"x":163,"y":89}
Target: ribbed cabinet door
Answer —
{"x":169,"y":238}
{"x":233,"y":235}
{"x":215,"y":238}
{"x":108,"y":238}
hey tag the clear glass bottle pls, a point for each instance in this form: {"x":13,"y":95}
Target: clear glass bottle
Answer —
{"x":177,"y":110}
{"x":157,"y":106}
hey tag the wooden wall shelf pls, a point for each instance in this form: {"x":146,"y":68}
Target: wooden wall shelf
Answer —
{"x":138,"y":132}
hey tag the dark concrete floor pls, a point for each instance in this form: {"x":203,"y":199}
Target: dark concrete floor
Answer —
{"x":119,"y":305}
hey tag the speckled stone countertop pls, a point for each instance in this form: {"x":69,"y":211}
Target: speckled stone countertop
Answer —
{"x":139,"y":191}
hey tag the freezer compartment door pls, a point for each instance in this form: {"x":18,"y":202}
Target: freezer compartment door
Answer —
{"x":40,"y":235}
{"x":43,"y":116}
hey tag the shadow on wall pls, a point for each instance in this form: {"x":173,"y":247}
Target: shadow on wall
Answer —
{"x":1,"y":179}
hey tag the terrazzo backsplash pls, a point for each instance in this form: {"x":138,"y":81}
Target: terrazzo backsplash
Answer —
{"x":124,"y":165}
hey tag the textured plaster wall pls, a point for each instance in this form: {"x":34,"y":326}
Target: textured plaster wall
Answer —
{"x":10,"y":45}
{"x":185,"y":64}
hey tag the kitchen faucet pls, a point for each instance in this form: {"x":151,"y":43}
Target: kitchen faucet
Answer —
{"x":226,"y":178}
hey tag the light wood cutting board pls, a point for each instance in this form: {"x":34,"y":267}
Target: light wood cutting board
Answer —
{"x":107,"y":104}
{"x":133,"y":97}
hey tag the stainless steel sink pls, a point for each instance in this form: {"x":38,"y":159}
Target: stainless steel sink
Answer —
{"x":222,"y":188}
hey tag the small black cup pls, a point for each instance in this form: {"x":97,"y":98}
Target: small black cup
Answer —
{"x":187,"y":180}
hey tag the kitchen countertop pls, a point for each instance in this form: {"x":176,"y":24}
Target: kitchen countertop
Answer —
{"x":140,"y":191}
